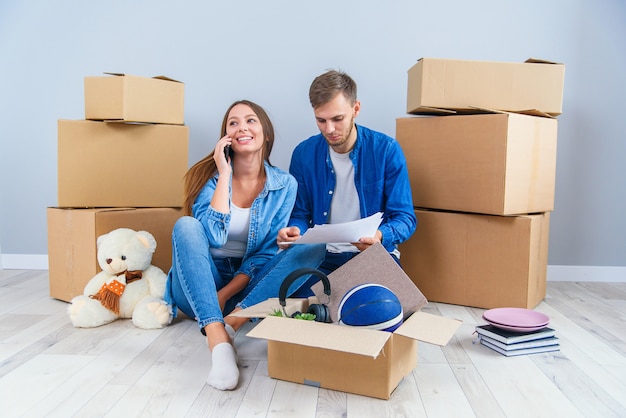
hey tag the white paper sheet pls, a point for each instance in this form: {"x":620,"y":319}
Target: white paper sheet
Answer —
{"x":341,"y":233}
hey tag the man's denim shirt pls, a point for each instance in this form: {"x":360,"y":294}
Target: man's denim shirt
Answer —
{"x":380,"y":175}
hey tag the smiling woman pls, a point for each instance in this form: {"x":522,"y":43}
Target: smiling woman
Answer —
{"x":234,"y":207}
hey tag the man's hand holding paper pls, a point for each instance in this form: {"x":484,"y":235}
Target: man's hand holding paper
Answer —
{"x":355,"y":232}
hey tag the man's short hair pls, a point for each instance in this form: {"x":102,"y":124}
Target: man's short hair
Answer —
{"x":325,"y":88}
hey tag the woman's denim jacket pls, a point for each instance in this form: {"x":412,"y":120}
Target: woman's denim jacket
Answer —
{"x":269,"y":212}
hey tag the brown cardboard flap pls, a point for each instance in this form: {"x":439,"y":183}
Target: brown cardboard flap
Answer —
{"x":316,"y":334}
{"x":165,"y":78}
{"x":428,"y":110}
{"x":374,"y":265}
{"x":535,"y":112}
{"x":429,"y":328}
{"x":157,"y":77}
{"x":529,"y":112}
{"x":541,"y":61}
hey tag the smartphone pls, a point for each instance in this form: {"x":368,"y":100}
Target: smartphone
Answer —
{"x":228,"y":152}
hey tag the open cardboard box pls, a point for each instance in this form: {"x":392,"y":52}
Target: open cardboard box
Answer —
{"x":350,"y":359}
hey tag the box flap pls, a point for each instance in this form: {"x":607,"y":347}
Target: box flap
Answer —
{"x":426,"y":110}
{"x":530,"y":60}
{"x":316,"y":334}
{"x":374,"y":265}
{"x":429,"y":111}
{"x":162,"y":77}
{"x":125,"y":122}
{"x":158,"y":77}
{"x":95,"y":209}
{"x":429,"y":328}
{"x":470,"y":110}
{"x":536,"y":112}
{"x":541,"y":61}
{"x":488,"y":110}
{"x":528,"y":112}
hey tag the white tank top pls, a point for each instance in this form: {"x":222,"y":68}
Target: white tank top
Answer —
{"x":237,"y":241}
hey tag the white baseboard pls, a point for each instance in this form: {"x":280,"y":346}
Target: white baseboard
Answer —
{"x":587,"y":273}
{"x":555,"y":273}
{"x":23,"y":262}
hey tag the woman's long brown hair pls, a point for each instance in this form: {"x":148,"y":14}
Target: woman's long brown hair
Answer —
{"x":197,"y":176}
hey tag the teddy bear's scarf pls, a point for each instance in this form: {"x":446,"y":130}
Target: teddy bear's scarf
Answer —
{"x":133,"y":275}
{"x":109,"y":294}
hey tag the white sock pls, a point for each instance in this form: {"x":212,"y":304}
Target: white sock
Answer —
{"x":224,"y":373}
{"x":232,"y":334}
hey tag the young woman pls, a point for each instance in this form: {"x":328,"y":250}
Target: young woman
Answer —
{"x":235,"y":203}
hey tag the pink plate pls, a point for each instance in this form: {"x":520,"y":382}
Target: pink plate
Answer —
{"x":516,"y":317}
{"x":492,"y":322}
{"x":517,"y":329}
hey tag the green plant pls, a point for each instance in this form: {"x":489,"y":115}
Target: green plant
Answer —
{"x":298,"y":315}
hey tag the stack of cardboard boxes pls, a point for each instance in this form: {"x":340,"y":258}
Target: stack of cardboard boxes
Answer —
{"x":482,"y":164}
{"x":121,"y":167}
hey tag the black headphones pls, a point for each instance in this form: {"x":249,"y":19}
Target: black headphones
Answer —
{"x":321,"y":311}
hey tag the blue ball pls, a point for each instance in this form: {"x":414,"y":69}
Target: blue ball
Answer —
{"x":371,"y":306}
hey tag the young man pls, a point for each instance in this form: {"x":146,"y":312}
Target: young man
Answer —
{"x":348,"y":172}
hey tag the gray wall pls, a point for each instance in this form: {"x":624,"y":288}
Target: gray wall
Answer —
{"x":270,"y":51}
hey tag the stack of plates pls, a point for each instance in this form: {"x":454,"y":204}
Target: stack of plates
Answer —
{"x":516,"y":319}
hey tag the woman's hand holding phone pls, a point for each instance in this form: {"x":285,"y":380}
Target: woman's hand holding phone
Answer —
{"x":223,"y":154}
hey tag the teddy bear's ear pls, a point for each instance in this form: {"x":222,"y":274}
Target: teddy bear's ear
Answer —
{"x":100,"y":239}
{"x":147,"y":240}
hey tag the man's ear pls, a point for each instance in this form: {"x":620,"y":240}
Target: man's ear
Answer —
{"x":357,"y":107}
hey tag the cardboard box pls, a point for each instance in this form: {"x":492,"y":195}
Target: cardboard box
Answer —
{"x":72,"y":235}
{"x":121,"y":165}
{"x":129,"y":98}
{"x":483,"y":261}
{"x":437,"y":85}
{"x":500,"y":164}
{"x":351,"y":359}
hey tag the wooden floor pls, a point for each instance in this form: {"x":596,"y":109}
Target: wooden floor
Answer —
{"x":48,"y":368}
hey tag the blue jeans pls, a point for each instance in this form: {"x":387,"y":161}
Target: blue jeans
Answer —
{"x":272,"y":275}
{"x":195,"y":276}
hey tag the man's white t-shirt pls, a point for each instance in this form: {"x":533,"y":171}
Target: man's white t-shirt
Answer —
{"x":345,"y":205}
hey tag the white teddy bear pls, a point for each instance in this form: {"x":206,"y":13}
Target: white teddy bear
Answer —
{"x":128,"y":286}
